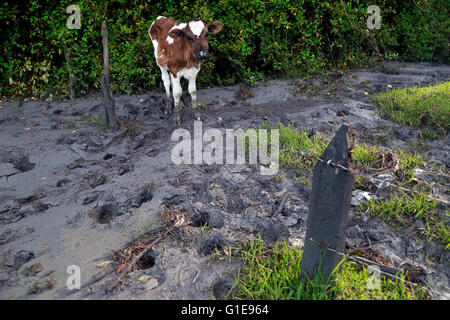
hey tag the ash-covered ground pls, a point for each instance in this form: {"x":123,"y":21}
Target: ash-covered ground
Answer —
{"x":71,"y":192}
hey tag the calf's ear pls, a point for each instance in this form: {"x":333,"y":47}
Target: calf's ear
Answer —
{"x":215,"y":27}
{"x":176,"y":33}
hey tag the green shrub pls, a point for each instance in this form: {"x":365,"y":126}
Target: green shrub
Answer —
{"x":276,"y":38}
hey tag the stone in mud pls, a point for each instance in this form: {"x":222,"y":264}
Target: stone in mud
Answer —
{"x":96,"y":179}
{"x":151,"y":284}
{"x":26,"y":210}
{"x":108,"y":156}
{"x":91,"y":198}
{"x":78,"y":163}
{"x":61,"y":182}
{"x":125,"y":168}
{"x":288,"y":221}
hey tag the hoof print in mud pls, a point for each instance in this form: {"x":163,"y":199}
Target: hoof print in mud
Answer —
{"x":143,"y":196}
{"x":222,"y":288}
{"x":270,"y":231}
{"x":23,"y":257}
{"x":211,"y":219}
{"x":210,"y":245}
{"x":20,"y":162}
{"x":147,"y":260}
{"x":200,"y":219}
{"x":106,"y":213}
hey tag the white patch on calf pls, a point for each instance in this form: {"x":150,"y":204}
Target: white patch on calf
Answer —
{"x":166,"y":80}
{"x":190,"y":73}
{"x":196,"y":27}
{"x":155,"y":45}
{"x":179,"y":26}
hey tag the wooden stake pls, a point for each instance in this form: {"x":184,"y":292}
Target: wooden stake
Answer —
{"x":328,"y":209}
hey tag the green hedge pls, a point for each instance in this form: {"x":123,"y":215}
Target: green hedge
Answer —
{"x":274,"y":38}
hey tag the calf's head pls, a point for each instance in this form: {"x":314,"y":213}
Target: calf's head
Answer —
{"x":195,"y":34}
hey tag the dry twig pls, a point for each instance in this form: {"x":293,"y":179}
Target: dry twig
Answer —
{"x":175,"y":221}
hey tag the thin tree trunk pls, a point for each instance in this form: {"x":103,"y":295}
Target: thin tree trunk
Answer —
{"x":109,"y":115}
{"x":72,"y":79}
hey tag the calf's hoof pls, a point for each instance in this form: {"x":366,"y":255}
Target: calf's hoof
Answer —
{"x":197,"y":115}
{"x":169,"y":107}
{"x":176,"y":120}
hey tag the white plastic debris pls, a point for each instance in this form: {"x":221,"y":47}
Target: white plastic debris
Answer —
{"x":288,"y":221}
{"x":385,"y":178}
{"x":419,"y":172}
{"x":359,"y":196}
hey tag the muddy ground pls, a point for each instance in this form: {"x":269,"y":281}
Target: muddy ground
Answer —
{"x":71,"y":192}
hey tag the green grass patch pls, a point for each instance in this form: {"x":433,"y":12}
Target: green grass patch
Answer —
{"x":404,"y":210}
{"x":299,"y":150}
{"x":364,"y":155}
{"x":419,"y":107}
{"x":409,"y":162}
{"x":373,"y":157}
{"x":274,"y":274}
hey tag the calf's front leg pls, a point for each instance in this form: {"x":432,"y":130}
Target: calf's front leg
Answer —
{"x":166,"y":82}
{"x":176,"y":89}
{"x":193,"y":92}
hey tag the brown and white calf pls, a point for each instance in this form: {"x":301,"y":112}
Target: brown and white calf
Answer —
{"x":179,"y":49}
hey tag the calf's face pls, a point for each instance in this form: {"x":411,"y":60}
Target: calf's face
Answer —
{"x":196,"y":35}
